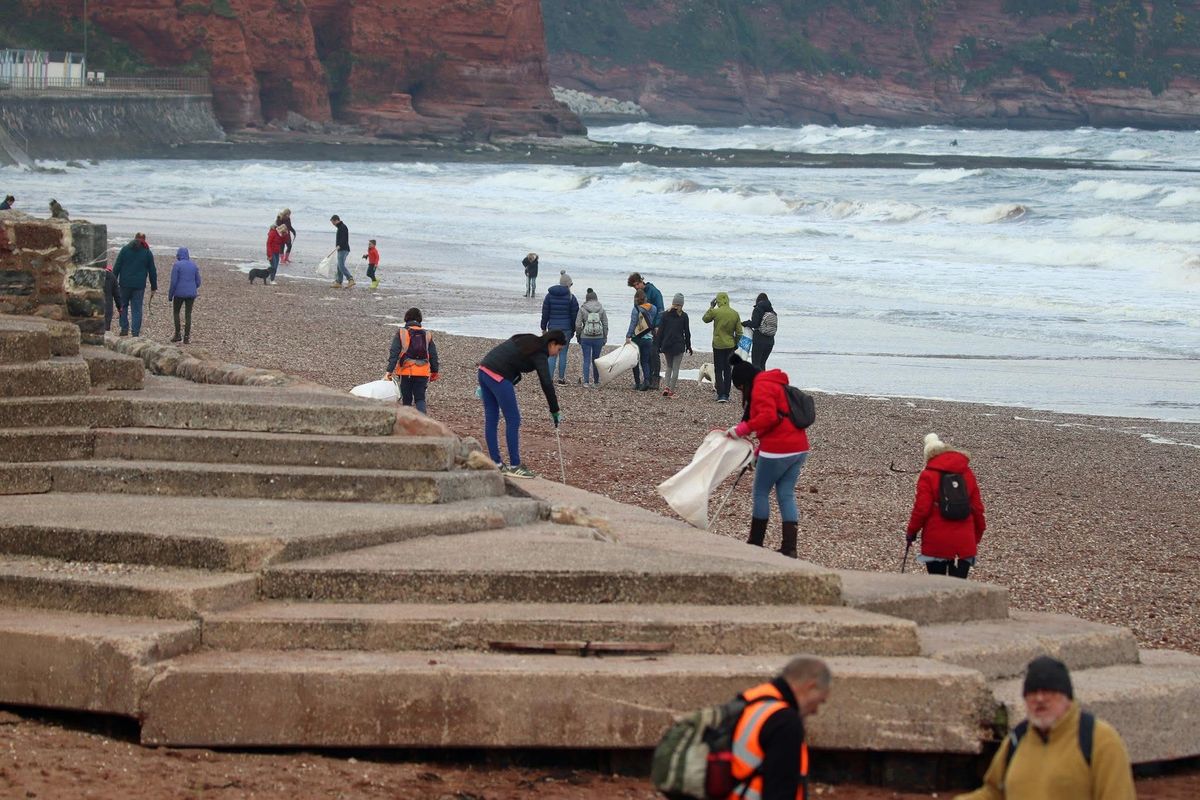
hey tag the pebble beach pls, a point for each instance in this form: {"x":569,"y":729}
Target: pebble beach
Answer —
{"x":1089,"y":516}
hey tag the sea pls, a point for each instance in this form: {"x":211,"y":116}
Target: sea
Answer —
{"x":1072,"y":289}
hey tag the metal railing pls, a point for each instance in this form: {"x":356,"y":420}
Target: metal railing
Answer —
{"x":34,"y":85}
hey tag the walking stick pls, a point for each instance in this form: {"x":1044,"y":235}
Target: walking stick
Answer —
{"x":728,"y":494}
{"x":562,"y":470}
{"x":904,"y":563}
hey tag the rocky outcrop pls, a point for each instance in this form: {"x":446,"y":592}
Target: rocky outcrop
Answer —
{"x":1005,"y":63}
{"x":398,"y":67}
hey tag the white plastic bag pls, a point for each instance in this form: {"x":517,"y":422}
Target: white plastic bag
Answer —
{"x":618,"y":362}
{"x":377,"y":390}
{"x":327,"y":267}
{"x":717,"y":458}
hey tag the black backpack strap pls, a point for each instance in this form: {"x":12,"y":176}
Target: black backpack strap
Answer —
{"x":1087,"y":733}
{"x":1014,"y":739}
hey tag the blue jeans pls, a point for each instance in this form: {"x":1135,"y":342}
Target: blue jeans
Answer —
{"x":500,"y":397}
{"x":342,"y":266}
{"x":131,"y":306}
{"x":530,"y":285}
{"x":274,"y":266}
{"x":781,"y":475}
{"x":561,"y":361}
{"x":412,"y":390}
{"x":591,"y":351}
{"x":646,"y":357}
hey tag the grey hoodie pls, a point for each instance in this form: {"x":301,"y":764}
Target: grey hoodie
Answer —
{"x":589,"y":307}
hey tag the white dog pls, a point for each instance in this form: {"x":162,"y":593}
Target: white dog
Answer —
{"x":707,"y":373}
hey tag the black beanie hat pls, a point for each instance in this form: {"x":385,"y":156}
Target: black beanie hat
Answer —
{"x":1048,"y":674}
{"x":743,"y":372}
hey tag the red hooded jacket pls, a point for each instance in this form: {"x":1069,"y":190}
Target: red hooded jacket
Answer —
{"x":274,"y":242}
{"x":944,"y":538}
{"x":769,"y":419}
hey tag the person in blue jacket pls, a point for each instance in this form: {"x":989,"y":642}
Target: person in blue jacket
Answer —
{"x":653,"y":297}
{"x":559,"y":312}
{"x":643,"y":322}
{"x":185,"y":287}
{"x":133,"y":267}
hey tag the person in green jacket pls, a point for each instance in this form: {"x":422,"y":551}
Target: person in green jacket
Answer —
{"x":727,"y":327}
{"x":133,"y":267}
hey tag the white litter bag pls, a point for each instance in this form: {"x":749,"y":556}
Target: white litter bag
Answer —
{"x":717,"y":458}
{"x":377,"y":390}
{"x":327,"y":267}
{"x":618,"y":362}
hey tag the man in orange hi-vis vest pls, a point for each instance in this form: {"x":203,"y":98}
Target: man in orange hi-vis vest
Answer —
{"x":770,"y":756}
{"x":413,"y":360}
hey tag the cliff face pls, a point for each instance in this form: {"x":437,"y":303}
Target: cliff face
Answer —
{"x":1012,"y":63}
{"x":401,"y":67}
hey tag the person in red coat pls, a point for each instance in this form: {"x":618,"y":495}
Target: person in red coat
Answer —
{"x":782,"y":448}
{"x":277,"y":237}
{"x":948,"y":546}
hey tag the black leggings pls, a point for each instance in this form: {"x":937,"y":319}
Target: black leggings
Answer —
{"x":186,"y":303}
{"x":760,"y":349}
{"x":723,"y":369}
{"x":948,"y":568}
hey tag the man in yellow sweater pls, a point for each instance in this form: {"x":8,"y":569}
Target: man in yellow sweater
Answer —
{"x":1060,"y":752}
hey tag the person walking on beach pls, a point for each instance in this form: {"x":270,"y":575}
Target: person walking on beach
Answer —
{"x":276,"y":239}
{"x":530,"y":262}
{"x":8,"y":202}
{"x":112,"y":296}
{"x":673,"y":339}
{"x":1060,"y":751}
{"x":499,"y":372}
{"x":132,"y":269}
{"x":560,"y":309}
{"x":653,"y":296}
{"x":592,"y":325}
{"x":764,"y":322}
{"x":947,"y":511}
{"x":284,"y":218}
{"x":782,"y":449}
{"x":372,"y":257}
{"x":413,"y":360}
{"x":643,"y":321}
{"x":183,"y":291}
{"x":342,"y":243}
{"x":726,"y":329}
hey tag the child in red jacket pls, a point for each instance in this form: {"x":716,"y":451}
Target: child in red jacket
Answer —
{"x":372,"y":257}
{"x":948,"y":509}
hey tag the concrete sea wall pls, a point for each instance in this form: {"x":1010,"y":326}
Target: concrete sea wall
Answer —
{"x":79,"y":125}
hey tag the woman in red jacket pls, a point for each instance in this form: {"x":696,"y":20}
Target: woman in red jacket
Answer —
{"x":782,"y":448}
{"x":277,"y":237}
{"x":948,"y":509}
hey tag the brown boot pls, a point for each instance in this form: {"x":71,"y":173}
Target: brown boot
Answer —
{"x":788,"y":548}
{"x":758,"y":531}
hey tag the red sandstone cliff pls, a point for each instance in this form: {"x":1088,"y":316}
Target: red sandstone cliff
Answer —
{"x":401,"y":67}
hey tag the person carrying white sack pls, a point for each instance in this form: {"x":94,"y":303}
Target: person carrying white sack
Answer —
{"x":782,"y":448}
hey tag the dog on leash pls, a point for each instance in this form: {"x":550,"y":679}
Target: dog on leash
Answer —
{"x":260,"y":273}
{"x":707,"y":373}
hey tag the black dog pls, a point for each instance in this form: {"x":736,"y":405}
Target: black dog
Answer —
{"x":260,"y":273}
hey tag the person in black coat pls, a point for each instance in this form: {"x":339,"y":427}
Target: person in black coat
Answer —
{"x":764,"y":322}
{"x":499,"y":373}
{"x":674,"y":338}
{"x":112,"y":297}
{"x":530,"y":262}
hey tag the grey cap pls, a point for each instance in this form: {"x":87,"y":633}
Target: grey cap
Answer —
{"x":564,"y":279}
{"x":677,"y":300}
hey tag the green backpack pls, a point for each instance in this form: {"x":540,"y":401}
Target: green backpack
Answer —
{"x":693,"y":753}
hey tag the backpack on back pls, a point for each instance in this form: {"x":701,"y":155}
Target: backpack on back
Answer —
{"x":417,"y":351}
{"x":694,"y":757}
{"x":769,"y":324}
{"x":954,"y":502}
{"x":801,"y":408}
{"x":593,"y":326}
{"x":1087,"y":735}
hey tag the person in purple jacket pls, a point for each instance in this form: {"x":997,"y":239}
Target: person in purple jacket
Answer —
{"x":185,"y":286}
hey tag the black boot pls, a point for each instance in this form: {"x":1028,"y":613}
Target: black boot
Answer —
{"x":788,"y":548}
{"x":176,"y":337}
{"x":758,"y":530}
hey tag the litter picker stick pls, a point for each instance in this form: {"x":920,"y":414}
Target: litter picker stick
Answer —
{"x":728,"y":494}
{"x":904,"y":563}
{"x":562,"y":470}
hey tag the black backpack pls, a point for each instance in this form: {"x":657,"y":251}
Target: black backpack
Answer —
{"x":801,"y":409}
{"x":417,"y":351}
{"x":953,"y":500}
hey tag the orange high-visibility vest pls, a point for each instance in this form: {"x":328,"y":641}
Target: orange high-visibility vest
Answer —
{"x":408,"y":366}
{"x":764,"y":701}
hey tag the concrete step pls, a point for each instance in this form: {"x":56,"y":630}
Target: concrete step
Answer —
{"x":925,"y":599}
{"x":1154,"y":704}
{"x":1003,"y":648}
{"x":735,"y":630}
{"x":58,"y":659}
{"x":65,"y":338}
{"x":465,"y":699}
{"x":54,"y":377}
{"x":177,"y":479}
{"x":23,"y":340}
{"x":227,"y":534}
{"x":126,"y":589}
{"x":110,"y":370}
{"x":423,"y":453}
{"x":86,"y":411}
{"x":547,"y":563}
{"x":45,"y":444}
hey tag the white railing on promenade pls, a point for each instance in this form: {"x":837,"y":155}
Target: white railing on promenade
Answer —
{"x":33,"y":85}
